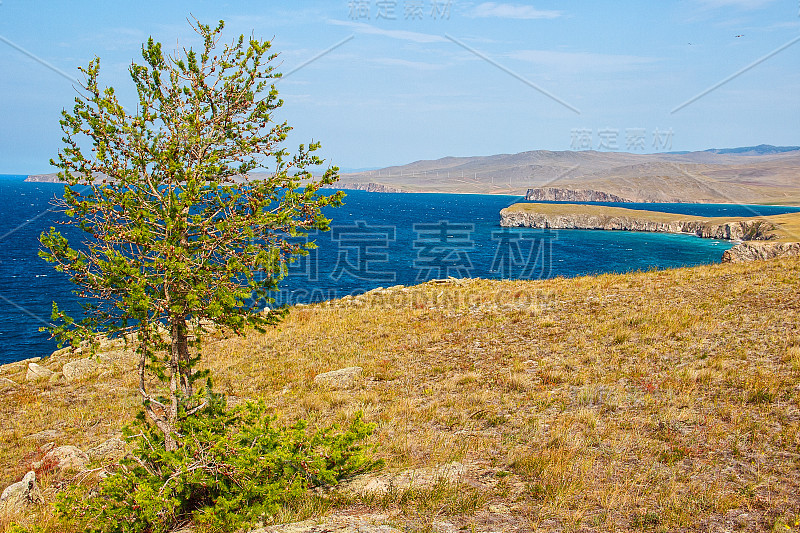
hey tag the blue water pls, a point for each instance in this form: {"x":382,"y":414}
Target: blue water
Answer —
{"x":376,"y":240}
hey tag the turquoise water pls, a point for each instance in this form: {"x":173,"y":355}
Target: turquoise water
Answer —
{"x":376,"y":240}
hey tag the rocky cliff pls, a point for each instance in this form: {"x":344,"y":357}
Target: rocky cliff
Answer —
{"x":555,"y":194}
{"x":369,"y":187}
{"x":756,"y":251}
{"x":736,"y":231}
{"x":43,"y":178}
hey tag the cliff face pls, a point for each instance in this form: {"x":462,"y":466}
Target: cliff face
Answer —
{"x":756,"y":251}
{"x":555,"y":194}
{"x":736,"y":231}
{"x":369,"y":187}
{"x":43,"y":178}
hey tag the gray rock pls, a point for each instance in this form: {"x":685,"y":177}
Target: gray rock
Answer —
{"x":733,"y":231}
{"x":418,"y":478}
{"x":344,"y":378}
{"x":556,"y":194}
{"x":80,"y":369}
{"x":20,"y":495}
{"x":37,"y":372}
{"x":6,"y":383}
{"x":16,"y":366}
{"x":335,"y":524}
{"x":113,"y":450}
{"x":63,"y":458}
{"x":752,"y":251}
{"x":46,"y":434}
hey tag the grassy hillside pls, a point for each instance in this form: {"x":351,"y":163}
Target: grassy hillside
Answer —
{"x":787,"y":226}
{"x":656,"y":401}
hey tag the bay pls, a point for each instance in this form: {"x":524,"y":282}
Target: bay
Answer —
{"x":376,"y":240}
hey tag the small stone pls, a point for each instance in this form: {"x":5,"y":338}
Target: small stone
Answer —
{"x":46,"y":447}
{"x":18,"y":496}
{"x":6,"y":383}
{"x":344,"y":378}
{"x":37,"y":372}
{"x":498,"y":508}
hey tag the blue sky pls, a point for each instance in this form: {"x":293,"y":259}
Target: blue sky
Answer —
{"x":414,"y":80}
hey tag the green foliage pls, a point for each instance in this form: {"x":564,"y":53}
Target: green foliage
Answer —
{"x":178,"y":233}
{"x":235,"y":467}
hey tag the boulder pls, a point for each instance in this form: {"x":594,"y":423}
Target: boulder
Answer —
{"x":80,"y":369}
{"x":18,"y":496}
{"x":112,"y":450}
{"x":46,"y":434}
{"x":417,"y":478}
{"x":63,"y":458}
{"x":37,"y":372}
{"x":334,"y":524}
{"x":344,"y":378}
{"x":17,"y":366}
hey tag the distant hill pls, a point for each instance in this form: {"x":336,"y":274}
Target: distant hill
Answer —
{"x":761,"y":174}
{"x":761,"y":149}
{"x":753,"y":174}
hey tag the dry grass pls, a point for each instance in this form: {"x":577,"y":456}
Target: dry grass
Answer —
{"x":658,"y":401}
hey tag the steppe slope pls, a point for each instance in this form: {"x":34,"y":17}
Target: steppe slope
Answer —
{"x":664,"y":401}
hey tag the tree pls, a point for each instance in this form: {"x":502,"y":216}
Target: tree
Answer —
{"x":179,"y":235}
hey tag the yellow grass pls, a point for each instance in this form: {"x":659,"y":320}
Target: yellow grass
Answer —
{"x":655,"y":401}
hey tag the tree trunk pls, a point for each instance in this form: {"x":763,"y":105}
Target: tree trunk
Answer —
{"x":155,"y":411}
{"x":180,"y":383}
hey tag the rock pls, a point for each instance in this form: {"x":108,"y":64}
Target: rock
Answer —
{"x":37,"y":372}
{"x":335,"y":524}
{"x":757,"y":251}
{"x":63,"y":458}
{"x":369,"y":187}
{"x":6,"y":383}
{"x":344,"y":378}
{"x":47,"y":434}
{"x":112,"y":450}
{"x":735,"y":231}
{"x":417,"y":478}
{"x":46,"y":447}
{"x":499,"y":508}
{"x":18,"y":496}
{"x":555,"y":194}
{"x":80,"y":369}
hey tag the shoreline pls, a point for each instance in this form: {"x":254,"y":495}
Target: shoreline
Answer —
{"x":754,"y":238}
{"x":398,"y":190}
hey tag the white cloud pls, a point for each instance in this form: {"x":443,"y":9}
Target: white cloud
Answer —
{"x":368,"y":29}
{"x":512,"y":11}
{"x":581,"y":61}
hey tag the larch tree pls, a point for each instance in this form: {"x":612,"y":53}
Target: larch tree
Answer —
{"x":178,"y":233}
